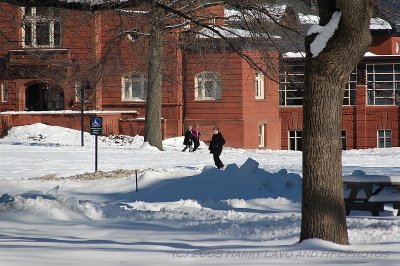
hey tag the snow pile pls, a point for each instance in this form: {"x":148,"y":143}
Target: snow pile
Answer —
{"x":39,"y":134}
{"x":47,"y":205}
{"x":245,"y":182}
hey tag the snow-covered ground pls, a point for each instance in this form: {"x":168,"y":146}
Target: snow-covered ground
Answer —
{"x":55,"y":211}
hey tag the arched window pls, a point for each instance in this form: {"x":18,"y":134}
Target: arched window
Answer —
{"x":134,"y":87}
{"x":208,"y":86}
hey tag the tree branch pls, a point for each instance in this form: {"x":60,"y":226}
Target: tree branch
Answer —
{"x":87,"y":5}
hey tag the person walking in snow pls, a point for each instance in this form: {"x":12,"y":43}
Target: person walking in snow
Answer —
{"x":196,"y":137}
{"x":217,"y":141}
{"x":187,"y":141}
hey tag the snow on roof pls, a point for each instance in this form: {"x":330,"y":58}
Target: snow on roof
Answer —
{"x":275,"y":12}
{"x":294,"y":55}
{"x":379,"y":24}
{"x":224,"y":31}
{"x":306,"y":19}
{"x":229,"y":32}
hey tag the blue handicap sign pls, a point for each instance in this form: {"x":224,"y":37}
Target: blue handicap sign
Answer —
{"x":96,"y":125}
{"x":96,"y":122}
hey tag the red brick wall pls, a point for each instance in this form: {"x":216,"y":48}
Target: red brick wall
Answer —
{"x":291,"y":119}
{"x":385,"y":45}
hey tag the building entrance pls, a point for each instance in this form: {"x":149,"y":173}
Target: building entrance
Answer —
{"x":43,"y":97}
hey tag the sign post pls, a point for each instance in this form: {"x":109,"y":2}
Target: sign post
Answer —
{"x":96,"y":129}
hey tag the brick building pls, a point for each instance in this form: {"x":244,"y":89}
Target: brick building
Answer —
{"x":61,"y":59}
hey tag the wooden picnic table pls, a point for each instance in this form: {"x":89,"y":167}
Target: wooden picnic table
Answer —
{"x":372,"y":192}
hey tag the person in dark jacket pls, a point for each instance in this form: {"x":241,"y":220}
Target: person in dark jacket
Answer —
{"x":217,"y":141}
{"x":187,"y":141}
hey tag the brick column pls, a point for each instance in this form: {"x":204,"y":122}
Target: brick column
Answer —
{"x":360,"y":133}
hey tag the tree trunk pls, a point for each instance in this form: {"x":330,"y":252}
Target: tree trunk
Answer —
{"x":153,"y":130}
{"x":326,"y":75}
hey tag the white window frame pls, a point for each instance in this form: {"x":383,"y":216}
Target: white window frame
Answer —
{"x":34,"y":19}
{"x":350,"y":91}
{"x":386,"y":138}
{"x":376,"y":96}
{"x":131,"y":78}
{"x":5,"y":89}
{"x":298,"y":136}
{"x":213,"y":78}
{"x":261,"y":135}
{"x":259,"y":86}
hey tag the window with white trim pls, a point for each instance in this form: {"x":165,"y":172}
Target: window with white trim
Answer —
{"x":291,"y":83}
{"x":261,"y":135}
{"x":259,"y":86}
{"x":383,"y":84}
{"x":41,"y":27}
{"x":384,"y":138}
{"x":295,"y":140}
{"x":134,"y":87}
{"x":4,"y":93}
{"x":350,"y":91}
{"x":208,"y":86}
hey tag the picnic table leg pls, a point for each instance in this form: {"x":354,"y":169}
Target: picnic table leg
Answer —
{"x":368,"y":193}
{"x":352,"y":197}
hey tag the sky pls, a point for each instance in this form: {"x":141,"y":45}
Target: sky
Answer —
{"x":54,"y":210}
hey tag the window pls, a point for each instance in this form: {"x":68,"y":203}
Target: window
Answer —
{"x":295,"y":140}
{"x":350,"y":92}
{"x":134,"y":87}
{"x":41,"y":27}
{"x":261,"y":135}
{"x":385,"y":138}
{"x":259,"y":86}
{"x":344,"y":142}
{"x":4,"y":93}
{"x":383,"y":84}
{"x":208,"y":86}
{"x":291,"y":82}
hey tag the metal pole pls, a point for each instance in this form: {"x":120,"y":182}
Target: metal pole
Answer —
{"x":95,"y":154}
{"x":82,"y":122}
{"x":137,"y":189}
